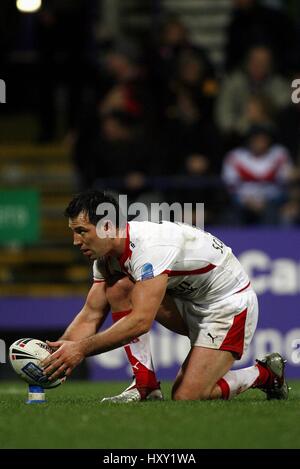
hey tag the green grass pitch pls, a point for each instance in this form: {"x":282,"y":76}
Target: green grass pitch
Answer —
{"x":74,"y":418}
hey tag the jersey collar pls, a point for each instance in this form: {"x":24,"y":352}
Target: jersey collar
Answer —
{"x":127,"y":251}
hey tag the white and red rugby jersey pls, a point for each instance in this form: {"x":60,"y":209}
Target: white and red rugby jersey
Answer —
{"x":200,"y":267}
{"x":250,"y":176}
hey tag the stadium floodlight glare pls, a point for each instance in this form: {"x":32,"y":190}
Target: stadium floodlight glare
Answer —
{"x":29,"y":6}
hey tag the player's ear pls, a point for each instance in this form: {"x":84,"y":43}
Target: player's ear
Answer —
{"x":105,"y":229}
{"x":109,"y":228}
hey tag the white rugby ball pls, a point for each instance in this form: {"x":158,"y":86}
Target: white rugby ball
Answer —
{"x":25,"y":356}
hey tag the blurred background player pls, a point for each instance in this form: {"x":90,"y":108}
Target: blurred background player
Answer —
{"x":257,"y":176}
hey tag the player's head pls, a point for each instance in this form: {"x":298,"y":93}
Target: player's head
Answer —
{"x":94,"y":219}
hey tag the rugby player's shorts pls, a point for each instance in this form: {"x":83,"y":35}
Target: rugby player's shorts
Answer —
{"x":228,"y":324}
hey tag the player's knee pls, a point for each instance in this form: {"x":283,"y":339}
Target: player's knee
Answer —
{"x":118,"y":294}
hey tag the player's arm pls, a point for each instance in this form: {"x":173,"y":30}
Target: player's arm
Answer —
{"x":91,"y":317}
{"x":146,"y":298}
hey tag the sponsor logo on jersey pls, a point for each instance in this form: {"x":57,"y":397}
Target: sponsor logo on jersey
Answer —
{"x":147,"y":271}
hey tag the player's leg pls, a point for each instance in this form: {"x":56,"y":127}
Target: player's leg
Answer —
{"x":200,"y":372}
{"x":201,"y":375}
{"x":145,"y":385}
{"x":170,"y":317}
{"x":267,"y":375}
{"x":219,"y":334}
{"x":202,"y":368}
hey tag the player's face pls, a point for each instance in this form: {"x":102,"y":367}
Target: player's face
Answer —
{"x":86,"y":239}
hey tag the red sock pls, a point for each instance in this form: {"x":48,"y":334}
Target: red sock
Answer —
{"x":224,"y":386}
{"x":137,"y":350}
{"x":265,"y":377}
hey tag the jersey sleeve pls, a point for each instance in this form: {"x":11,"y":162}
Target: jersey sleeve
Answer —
{"x":153,"y":261}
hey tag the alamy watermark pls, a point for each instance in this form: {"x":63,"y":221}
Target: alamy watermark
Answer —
{"x":296,"y":92}
{"x":2,"y":91}
{"x":2,"y":351}
{"x":295,"y":356}
{"x":187,"y":213}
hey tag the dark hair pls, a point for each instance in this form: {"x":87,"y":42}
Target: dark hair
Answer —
{"x":261,"y":129}
{"x":88,"y":203}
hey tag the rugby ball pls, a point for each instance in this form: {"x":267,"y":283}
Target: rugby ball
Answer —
{"x":25,"y":356}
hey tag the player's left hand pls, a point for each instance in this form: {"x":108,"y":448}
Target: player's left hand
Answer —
{"x":62,"y":362}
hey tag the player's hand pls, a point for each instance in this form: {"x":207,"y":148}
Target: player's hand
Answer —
{"x":63,"y":360}
{"x":56,"y":347}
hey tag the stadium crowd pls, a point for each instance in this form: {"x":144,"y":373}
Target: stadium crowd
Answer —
{"x":154,"y":117}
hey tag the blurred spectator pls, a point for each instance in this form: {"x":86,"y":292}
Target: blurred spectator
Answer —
{"x":163,"y":55}
{"x":65,"y":46}
{"x":113,"y":137}
{"x":188,"y":114}
{"x":123,"y":84}
{"x":116,"y":148}
{"x":253,"y":23}
{"x":193,"y":81}
{"x":174,"y":39}
{"x":255,"y":176}
{"x":255,"y":79}
{"x":186,"y":132}
{"x":258,"y":110}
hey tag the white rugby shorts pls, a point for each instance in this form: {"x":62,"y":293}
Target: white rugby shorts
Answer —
{"x":228,"y":324}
